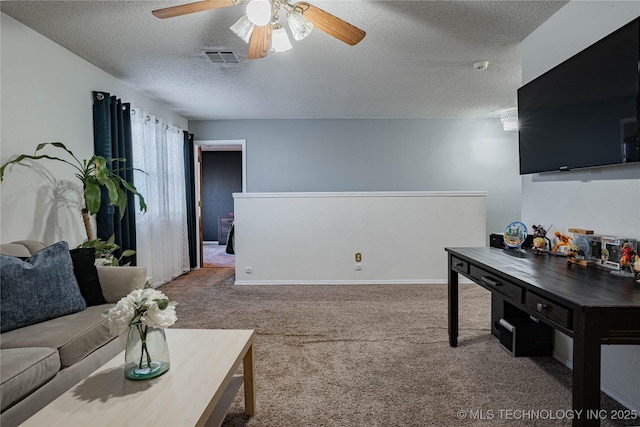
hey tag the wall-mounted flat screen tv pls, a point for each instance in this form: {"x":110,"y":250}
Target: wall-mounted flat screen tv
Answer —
{"x":584,"y":112}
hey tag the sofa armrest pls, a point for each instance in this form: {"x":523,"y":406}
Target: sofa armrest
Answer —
{"x":117,"y":282}
{"x":21,"y":248}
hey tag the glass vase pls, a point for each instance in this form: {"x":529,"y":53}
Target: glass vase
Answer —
{"x":147,"y":354}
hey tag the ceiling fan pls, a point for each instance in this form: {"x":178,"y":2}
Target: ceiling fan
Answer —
{"x":260,"y":27}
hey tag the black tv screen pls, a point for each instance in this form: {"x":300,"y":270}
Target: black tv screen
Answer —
{"x":584,"y":112}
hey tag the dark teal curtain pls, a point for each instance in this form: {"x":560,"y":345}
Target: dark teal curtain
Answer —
{"x":112,"y":140}
{"x":189,"y":179}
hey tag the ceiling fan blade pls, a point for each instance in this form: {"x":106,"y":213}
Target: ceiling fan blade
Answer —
{"x":330,"y":24}
{"x":183,"y":9}
{"x":260,"y":40}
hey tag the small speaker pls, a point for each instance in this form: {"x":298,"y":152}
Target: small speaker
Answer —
{"x":528,"y":242}
{"x":496,"y":240}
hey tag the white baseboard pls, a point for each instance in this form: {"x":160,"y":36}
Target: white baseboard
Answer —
{"x":337,"y":282}
{"x":562,"y":359}
{"x":246,"y":282}
{"x":619,"y":398}
{"x":606,"y":388}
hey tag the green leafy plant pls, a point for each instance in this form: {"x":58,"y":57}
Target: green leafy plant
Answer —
{"x":93,"y":174}
{"x":105,"y":251}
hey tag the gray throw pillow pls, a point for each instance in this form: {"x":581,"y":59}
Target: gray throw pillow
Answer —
{"x":40,"y":288}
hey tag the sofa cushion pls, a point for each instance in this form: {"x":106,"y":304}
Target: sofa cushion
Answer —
{"x":15,"y":249}
{"x":75,"y":335}
{"x":84,"y":268}
{"x":23,"y":371}
{"x":21,"y":248}
{"x":32,"y":246}
{"x":118,"y":282}
{"x":38,"y":289}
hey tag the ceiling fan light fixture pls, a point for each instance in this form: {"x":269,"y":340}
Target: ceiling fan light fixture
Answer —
{"x":259,"y":12}
{"x":299,"y":25}
{"x":261,"y":27}
{"x":243,"y":28}
{"x":279,"y":39}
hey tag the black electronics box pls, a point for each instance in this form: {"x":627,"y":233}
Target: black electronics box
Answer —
{"x":496,"y":240}
{"x":525,"y":337}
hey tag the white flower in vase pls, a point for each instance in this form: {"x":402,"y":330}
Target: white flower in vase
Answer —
{"x":140,"y":310}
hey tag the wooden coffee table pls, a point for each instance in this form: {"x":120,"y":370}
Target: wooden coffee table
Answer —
{"x":197,"y":391}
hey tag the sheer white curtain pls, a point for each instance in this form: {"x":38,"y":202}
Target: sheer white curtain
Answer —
{"x":162,"y":239}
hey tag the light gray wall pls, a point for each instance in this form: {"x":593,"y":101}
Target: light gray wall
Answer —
{"x":606,"y":200}
{"x":379,"y":155}
{"x":46,"y":96}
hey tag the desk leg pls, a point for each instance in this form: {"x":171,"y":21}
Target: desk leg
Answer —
{"x":586,"y":371}
{"x":249,"y":384}
{"x":453,"y":306}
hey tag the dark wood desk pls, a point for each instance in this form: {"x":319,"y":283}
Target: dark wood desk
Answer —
{"x":590,"y":305}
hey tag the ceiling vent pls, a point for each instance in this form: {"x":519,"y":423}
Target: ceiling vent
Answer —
{"x":223,"y":57}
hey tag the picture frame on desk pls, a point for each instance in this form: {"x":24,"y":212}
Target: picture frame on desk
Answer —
{"x":595,"y":243}
{"x":611,"y":251}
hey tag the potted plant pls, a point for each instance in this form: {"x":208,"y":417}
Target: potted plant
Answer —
{"x":105,"y":251}
{"x":93,"y":174}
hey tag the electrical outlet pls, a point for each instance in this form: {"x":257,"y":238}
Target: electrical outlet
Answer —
{"x":358,"y":257}
{"x":248,"y":270}
{"x":358,"y":267}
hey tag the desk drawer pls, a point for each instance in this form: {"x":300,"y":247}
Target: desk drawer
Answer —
{"x":487,"y":279}
{"x":459,"y":265}
{"x":548,"y":309}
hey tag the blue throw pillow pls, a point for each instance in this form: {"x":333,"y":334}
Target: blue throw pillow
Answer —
{"x":40,"y":288}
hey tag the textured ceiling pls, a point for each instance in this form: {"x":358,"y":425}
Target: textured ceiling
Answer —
{"x":416,"y":60}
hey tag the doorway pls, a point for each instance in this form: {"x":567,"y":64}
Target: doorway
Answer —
{"x":222,"y":170}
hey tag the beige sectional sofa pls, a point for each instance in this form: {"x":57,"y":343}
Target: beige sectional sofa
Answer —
{"x":39,"y":362}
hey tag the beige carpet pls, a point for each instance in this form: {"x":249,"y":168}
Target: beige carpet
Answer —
{"x":375,"y":356}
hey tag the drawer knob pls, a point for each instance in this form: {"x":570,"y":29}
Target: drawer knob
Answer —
{"x":541,"y":307}
{"x":459,"y":264}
